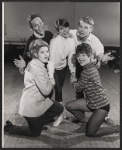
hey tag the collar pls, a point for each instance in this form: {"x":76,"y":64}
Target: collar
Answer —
{"x":37,"y":63}
{"x":89,"y":65}
{"x":38,"y":35}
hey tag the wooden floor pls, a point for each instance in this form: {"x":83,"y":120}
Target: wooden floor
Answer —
{"x":62,"y":136}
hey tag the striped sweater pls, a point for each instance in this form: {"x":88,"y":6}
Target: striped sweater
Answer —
{"x":90,"y":83}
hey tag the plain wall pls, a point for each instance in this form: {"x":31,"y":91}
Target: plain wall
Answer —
{"x":105,"y":14}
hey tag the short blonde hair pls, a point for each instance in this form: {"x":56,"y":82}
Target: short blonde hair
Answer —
{"x":87,"y":20}
{"x":34,"y":47}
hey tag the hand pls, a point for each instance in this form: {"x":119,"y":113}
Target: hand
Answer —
{"x":73,"y":78}
{"x":21,"y":70}
{"x":98,"y":64}
{"x":107,"y":57}
{"x":20,"y":63}
{"x":52,"y":80}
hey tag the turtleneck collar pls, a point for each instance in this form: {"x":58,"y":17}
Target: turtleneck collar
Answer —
{"x":89,"y":65}
{"x":38,"y":35}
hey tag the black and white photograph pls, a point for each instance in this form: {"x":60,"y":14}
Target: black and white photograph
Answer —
{"x":60,"y":74}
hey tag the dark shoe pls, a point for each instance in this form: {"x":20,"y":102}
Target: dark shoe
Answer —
{"x":76,"y":121}
{"x":9,"y":123}
{"x":8,"y":126}
{"x":109,"y":122}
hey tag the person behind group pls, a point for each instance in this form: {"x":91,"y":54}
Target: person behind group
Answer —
{"x":35,"y":105}
{"x":84,"y":35}
{"x":95,"y":100}
{"x":36,"y":24}
{"x":61,"y":48}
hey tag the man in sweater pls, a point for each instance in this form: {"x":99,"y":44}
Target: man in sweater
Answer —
{"x":36,"y":24}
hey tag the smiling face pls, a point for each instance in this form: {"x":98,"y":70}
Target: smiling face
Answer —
{"x":84,"y":29}
{"x":43,"y":54}
{"x":38,"y":25}
{"x":83,"y":59}
{"x":64,"y":31}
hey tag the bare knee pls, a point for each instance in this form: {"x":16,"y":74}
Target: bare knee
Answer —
{"x":68,"y":106}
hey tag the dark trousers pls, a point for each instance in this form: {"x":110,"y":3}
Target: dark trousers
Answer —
{"x":59,"y":76}
{"x":36,"y":123}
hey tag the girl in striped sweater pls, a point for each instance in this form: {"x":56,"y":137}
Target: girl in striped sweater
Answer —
{"x":95,"y":97}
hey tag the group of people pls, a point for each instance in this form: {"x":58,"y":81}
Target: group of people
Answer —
{"x":44,"y":65}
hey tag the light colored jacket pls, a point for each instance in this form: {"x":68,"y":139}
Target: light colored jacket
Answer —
{"x":34,"y":101}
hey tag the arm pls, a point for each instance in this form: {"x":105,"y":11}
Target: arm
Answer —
{"x":99,"y":49}
{"x":82,"y":82}
{"x":51,"y":63}
{"x":71,"y":62}
{"x":44,"y":84}
{"x":71,"y":57}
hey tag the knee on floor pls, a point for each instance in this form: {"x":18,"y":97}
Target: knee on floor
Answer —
{"x":90,"y":133}
{"x":36,"y":134}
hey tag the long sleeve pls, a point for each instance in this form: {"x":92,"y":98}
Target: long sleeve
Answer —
{"x":97,"y":47}
{"x":82,"y":82}
{"x":71,"y":57}
{"x":44,"y":84}
{"x":51,"y":63}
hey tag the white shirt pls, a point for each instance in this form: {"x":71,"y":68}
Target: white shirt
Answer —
{"x":60,"y":49}
{"x":92,"y":40}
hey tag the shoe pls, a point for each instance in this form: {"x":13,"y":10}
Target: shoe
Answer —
{"x":7,"y":126}
{"x":58,"y":121}
{"x":82,"y":129}
{"x":76,"y":121}
{"x":109,"y":122}
{"x":116,"y":71}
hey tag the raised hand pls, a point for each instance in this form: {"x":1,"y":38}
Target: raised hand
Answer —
{"x":73,"y":78}
{"x":107,"y":57}
{"x":20,"y":63}
{"x":52,"y":80}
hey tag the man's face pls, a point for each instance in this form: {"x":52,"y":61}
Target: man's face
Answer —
{"x":38,"y":25}
{"x":84,"y":29}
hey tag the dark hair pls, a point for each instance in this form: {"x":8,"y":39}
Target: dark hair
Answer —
{"x":35,"y":45}
{"x":87,"y":20}
{"x":84,"y":48}
{"x":62,"y":23}
{"x":32,"y":17}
